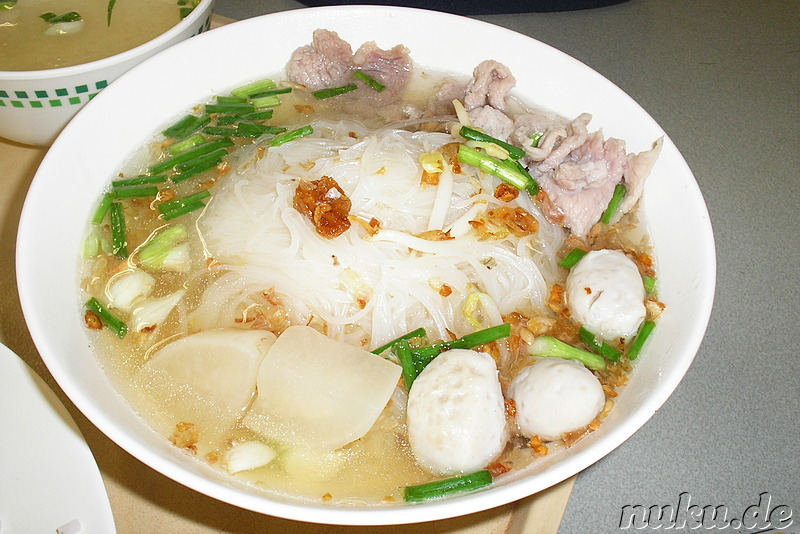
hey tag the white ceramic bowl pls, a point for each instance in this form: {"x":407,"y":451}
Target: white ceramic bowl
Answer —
{"x":35,"y":105}
{"x":92,"y":148}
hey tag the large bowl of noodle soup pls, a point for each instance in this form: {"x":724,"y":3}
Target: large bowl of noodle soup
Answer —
{"x":128,"y":114}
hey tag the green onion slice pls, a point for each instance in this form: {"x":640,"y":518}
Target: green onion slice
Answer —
{"x":603,"y":348}
{"x":638,"y":342}
{"x":114,"y":323}
{"x":119,"y":239}
{"x":572,"y":258}
{"x":372,"y":82}
{"x":476,"y":135}
{"x":334,"y":91}
{"x":619,"y":193}
{"x":448,"y":486}
{"x":419,"y":332}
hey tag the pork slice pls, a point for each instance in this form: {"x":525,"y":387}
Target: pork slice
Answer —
{"x":491,"y":82}
{"x":636,"y":173}
{"x":579,"y":188}
{"x":326,"y":62}
{"x":392,"y":67}
{"x":576,"y":134}
{"x":492,"y":121}
{"x":441,"y":103}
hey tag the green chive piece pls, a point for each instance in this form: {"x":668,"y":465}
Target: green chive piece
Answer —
{"x":194,"y":171}
{"x":8,"y":4}
{"x":372,"y":82}
{"x":402,"y":351}
{"x":254,"y":88}
{"x":536,"y":138}
{"x":448,"y":486}
{"x":572,"y":258}
{"x":170,"y":163}
{"x":52,"y":18}
{"x":550,"y":347}
{"x":110,"y":10}
{"x":102,"y":209}
{"x":291,"y":136}
{"x":230,"y":108}
{"x":215,"y":156}
{"x":260,"y":103}
{"x":638,"y":342}
{"x":135,"y":191}
{"x":231,"y":100}
{"x":114,"y":323}
{"x":334,"y":91}
{"x":424,"y":355}
{"x":153,"y":253}
{"x":619,"y":193}
{"x":184,"y":145}
{"x":183,"y":210}
{"x":187,"y":125}
{"x":476,"y":135}
{"x":272,"y":92}
{"x":119,"y":239}
{"x":142,"y":179}
{"x":180,"y":202}
{"x":649,"y":283}
{"x":507,"y":172}
{"x":419,"y":332}
{"x":603,"y":348}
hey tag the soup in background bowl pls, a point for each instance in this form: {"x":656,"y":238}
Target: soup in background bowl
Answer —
{"x":92,"y":151}
{"x":52,"y":70}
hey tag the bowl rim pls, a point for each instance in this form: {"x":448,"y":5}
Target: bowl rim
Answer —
{"x":499,"y":495}
{"x":81,"y":68}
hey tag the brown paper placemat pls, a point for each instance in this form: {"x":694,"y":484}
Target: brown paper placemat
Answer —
{"x":144,"y":501}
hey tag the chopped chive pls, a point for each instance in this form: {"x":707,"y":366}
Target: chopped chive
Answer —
{"x":194,"y":171}
{"x":230,"y":108}
{"x":619,"y":193}
{"x":178,"y":202}
{"x":114,"y":323}
{"x":402,"y":351}
{"x":231,"y":100}
{"x":372,"y":82}
{"x":142,"y":179}
{"x":258,"y":115}
{"x":334,"y":91}
{"x":448,"y":486}
{"x":649,"y":283}
{"x":536,"y":138}
{"x":265,"y":102}
{"x":110,"y":10}
{"x":170,"y":163}
{"x":506,"y":172}
{"x":291,"y":136}
{"x":254,"y":88}
{"x":572,"y":258}
{"x":7,"y":4}
{"x":550,"y":347}
{"x":215,"y":156}
{"x":102,"y":209}
{"x":186,"y":126}
{"x":153,"y":253}
{"x":182,"y":210}
{"x":52,"y":18}
{"x":184,"y":145}
{"x":604,"y":349}
{"x":419,"y":332}
{"x":477,"y":135}
{"x":424,"y":355}
{"x":119,"y":239}
{"x":272,"y":92}
{"x":638,"y":342}
{"x":135,"y":191}
{"x":226,"y":120}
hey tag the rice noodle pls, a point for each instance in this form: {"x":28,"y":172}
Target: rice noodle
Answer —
{"x":362,"y":286}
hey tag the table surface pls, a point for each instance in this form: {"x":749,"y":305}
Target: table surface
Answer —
{"x":722,"y":79}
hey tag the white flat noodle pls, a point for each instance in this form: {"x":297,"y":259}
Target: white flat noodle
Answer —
{"x":322,"y":393}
